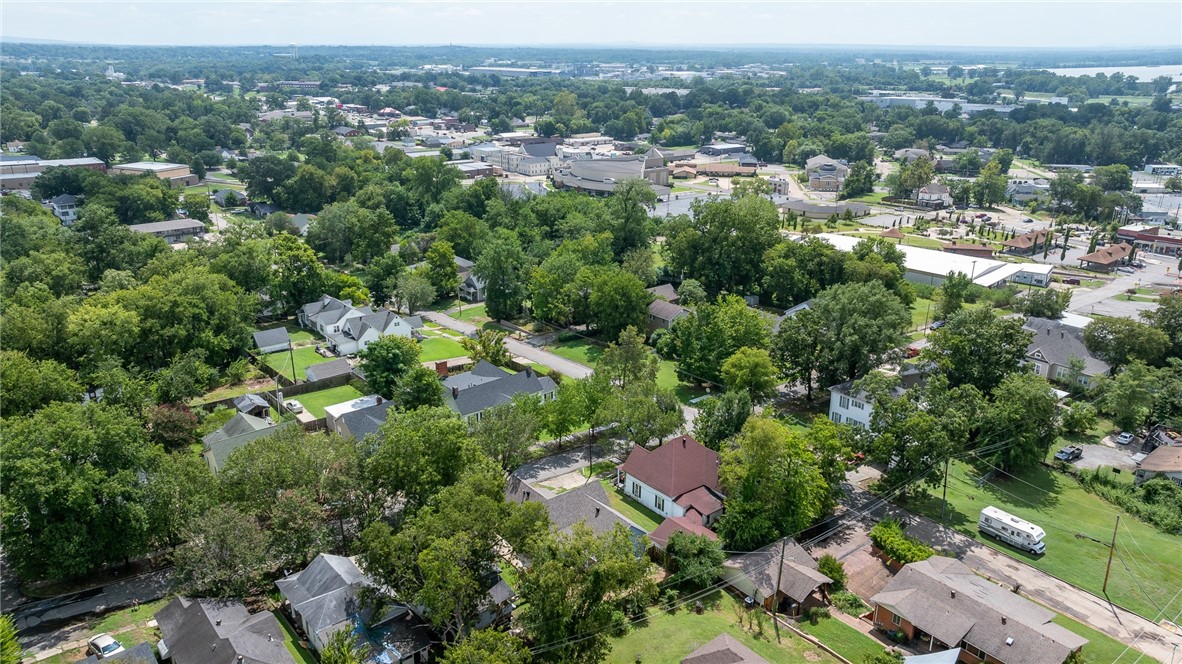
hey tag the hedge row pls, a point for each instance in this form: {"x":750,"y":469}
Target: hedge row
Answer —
{"x":888,"y":536}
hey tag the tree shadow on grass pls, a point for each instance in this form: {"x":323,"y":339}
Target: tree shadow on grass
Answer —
{"x":1036,"y":487}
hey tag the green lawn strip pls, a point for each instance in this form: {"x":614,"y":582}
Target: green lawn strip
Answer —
{"x":666,"y":638}
{"x":667,"y":379}
{"x":599,"y":468}
{"x":298,"y":652}
{"x":847,"y":641}
{"x":445,"y":304}
{"x":508,"y":573}
{"x":1101,"y":648}
{"x":639,"y":514}
{"x":304,"y":358}
{"x":583,"y":351}
{"x":922,"y":311}
{"x":440,"y":349}
{"x":315,"y":402}
{"x":1141,"y":578}
{"x":300,"y":336}
{"x":472,"y":313}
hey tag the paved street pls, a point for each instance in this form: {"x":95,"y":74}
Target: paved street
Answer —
{"x":516,"y":348}
{"x":40,"y":624}
{"x":851,"y":544}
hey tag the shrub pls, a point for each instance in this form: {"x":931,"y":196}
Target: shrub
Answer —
{"x":1157,"y":501}
{"x":888,"y":536}
{"x":848,"y":603}
{"x":816,"y":614}
{"x":832,"y":568}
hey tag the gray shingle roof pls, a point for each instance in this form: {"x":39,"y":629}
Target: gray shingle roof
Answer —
{"x":1057,"y":343}
{"x":587,"y":504}
{"x":666,"y":310}
{"x":798,"y":580}
{"x":665,"y":292}
{"x":724,"y":649}
{"x":481,"y":388}
{"x":272,"y":337}
{"x":240,"y":430}
{"x":943,"y":597}
{"x":249,"y":402}
{"x":63,"y":199}
{"x":337,"y":367}
{"x":362,"y":422}
{"x":207,"y":631}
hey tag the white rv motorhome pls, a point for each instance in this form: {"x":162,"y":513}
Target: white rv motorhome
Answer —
{"x":1012,"y":530}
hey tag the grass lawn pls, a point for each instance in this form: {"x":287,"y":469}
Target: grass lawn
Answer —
{"x":438,"y":348}
{"x":583,"y":351}
{"x":227,"y":391}
{"x":133,"y":617}
{"x":640,"y":515}
{"x":1101,"y":648}
{"x":922,"y":310}
{"x":667,"y":380}
{"x":301,"y":337}
{"x":598,"y":468}
{"x":473,"y":313}
{"x":304,"y":358}
{"x":847,"y":641}
{"x":1079,"y":527}
{"x":666,"y":638}
{"x":910,"y":240}
{"x":315,"y":402}
{"x":299,"y":653}
{"x":875,"y":197}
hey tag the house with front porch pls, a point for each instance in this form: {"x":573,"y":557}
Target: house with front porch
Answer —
{"x":939,"y":604}
{"x":677,"y":479}
{"x":781,"y":576}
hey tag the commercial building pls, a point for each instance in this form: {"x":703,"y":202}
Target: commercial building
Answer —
{"x":825,"y":174}
{"x":927,"y":266}
{"x":516,"y":72}
{"x":177,"y":174}
{"x":600,"y":176}
{"x":172,"y":231}
{"x":1154,"y":239}
{"x":1162,"y":169}
{"x":940,"y":104}
{"x":720,"y":149}
{"x":1107,"y":258}
{"x":18,"y":174}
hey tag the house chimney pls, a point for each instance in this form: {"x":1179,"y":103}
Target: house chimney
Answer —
{"x":1062,"y":334}
{"x":683,"y":443}
{"x":379,"y":400}
{"x":953,"y":594}
{"x":441,"y":368}
{"x":455,"y":392}
{"x":596,"y":512}
{"x":1003,"y":620}
{"x":1048,"y":331}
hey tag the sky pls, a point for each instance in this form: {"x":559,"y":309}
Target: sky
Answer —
{"x":969,"y":23}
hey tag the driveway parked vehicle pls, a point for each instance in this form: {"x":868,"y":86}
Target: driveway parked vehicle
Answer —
{"x":1069,"y":454}
{"x":1125,"y":438}
{"x":293,"y":406}
{"x":103,"y":646}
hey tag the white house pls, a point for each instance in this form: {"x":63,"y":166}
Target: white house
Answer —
{"x":855,"y":407}
{"x":65,"y":208}
{"x":678,"y":479}
{"x":350,"y":329}
{"x":358,"y":332}
{"x":934,"y":196}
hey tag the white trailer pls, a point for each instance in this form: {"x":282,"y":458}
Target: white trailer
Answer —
{"x":1012,"y":530}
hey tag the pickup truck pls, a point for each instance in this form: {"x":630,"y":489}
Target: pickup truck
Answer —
{"x":1069,"y":454}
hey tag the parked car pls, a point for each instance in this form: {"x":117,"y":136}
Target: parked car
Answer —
{"x":912,"y":351}
{"x":293,"y":406}
{"x":1138,"y":264}
{"x":1126,"y":270}
{"x":103,"y":646}
{"x":1072,"y":281}
{"x":1069,"y":454}
{"x":1125,"y":438}
{"x":1028,"y":220}
{"x":936,"y":325}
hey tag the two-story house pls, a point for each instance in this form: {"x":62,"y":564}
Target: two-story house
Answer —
{"x":854,"y":407}
{"x":65,"y":207}
{"x":935,"y":196}
{"x":1054,"y":345}
{"x":679,"y":479}
{"x":350,"y":329}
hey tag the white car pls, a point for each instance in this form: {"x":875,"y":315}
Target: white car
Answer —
{"x":103,"y":646}
{"x":293,"y":406}
{"x":1125,"y":438}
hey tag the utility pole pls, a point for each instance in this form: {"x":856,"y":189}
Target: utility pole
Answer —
{"x":776,"y":590}
{"x":1111,"y":550}
{"x":944,"y":500}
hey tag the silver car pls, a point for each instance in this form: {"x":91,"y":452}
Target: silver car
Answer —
{"x":103,"y":646}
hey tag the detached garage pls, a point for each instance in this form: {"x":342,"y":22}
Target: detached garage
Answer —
{"x":272,"y":340}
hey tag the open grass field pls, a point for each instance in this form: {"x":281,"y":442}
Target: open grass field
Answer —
{"x":304,"y":358}
{"x":316,"y":402}
{"x":640,"y":515}
{"x":473,"y":313}
{"x":922,"y":311}
{"x":872,"y":198}
{"x":847,"y":641}
{"x":910,"y":240}
{"x":1079,"y":527}
{"x":440,"y":348}
{"x":666,"y":638}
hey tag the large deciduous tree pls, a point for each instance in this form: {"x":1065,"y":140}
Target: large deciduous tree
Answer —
{"x":723,"y":243}
{"x":979,"y":348}
{"x":503,"y":266}
{"x":1119,"y":341}
{"x":224,"y":555}
{"x":713,"y":332}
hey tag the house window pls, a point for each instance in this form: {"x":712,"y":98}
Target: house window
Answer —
{"x":844,"y":402}
{"x":859,"y":405}
{"x":636,"y":489}
{"x":974,"y":650}
{"x":896,"y":620}
{"x":835,"y":416}
{"x":659,"y":503}
{"x":1061,"y":372}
